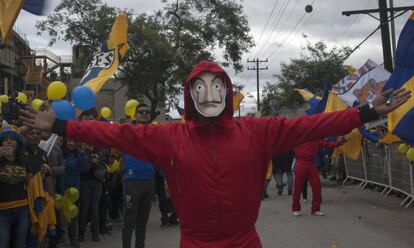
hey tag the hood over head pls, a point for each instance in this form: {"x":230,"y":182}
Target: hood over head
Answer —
{"x":204,"y":66}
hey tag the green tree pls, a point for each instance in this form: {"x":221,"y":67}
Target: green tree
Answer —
{"x":164,"y":46}
{"x":315,"y":69}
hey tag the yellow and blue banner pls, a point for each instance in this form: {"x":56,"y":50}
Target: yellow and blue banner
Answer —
{"x":105,"y":63}
{"x":401,"y":120}
{"x":306,"y":94}
{"x":316,"y":104}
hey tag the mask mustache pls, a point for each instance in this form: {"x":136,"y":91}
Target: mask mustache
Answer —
{"x":209,"y":102}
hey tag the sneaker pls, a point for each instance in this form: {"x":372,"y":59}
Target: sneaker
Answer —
{"x":265,"y":195}
{"x":296,"y":213}
{"x":95,"y":238}
{"x":280,"y":191}
{"x":318,"y":213}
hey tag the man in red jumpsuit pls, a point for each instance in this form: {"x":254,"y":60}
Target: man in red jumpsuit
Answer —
{"x":215,"y":166}
{"x":306,"y":169}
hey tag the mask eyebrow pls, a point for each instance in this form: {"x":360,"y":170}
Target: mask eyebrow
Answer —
{"x":218,"y":76}
{"x":197,"y":78}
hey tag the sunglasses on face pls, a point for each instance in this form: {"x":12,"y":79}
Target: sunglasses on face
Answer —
{"x":143,"y":112}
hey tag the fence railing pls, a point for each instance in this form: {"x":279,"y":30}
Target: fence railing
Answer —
{"x":383,"y":165}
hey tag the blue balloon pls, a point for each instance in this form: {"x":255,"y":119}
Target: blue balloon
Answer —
{"x":83,"y":97}
{"x":64,"y":110}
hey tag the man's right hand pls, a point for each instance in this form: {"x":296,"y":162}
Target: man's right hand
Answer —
{"x":37,"y":119}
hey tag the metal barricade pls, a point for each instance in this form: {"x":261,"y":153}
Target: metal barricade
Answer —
{"x":401,"y":174}
{"x":376,"y":165}
{"x":383,"y":165}
{"x":355,"y":169}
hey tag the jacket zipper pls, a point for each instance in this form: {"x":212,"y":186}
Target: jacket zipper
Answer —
{"x":216,"y":180}
{"x":177,"y":179}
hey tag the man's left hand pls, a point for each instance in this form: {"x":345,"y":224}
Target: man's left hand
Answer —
{"x":389,"y":100}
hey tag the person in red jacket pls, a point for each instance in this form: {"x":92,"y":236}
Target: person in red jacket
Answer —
{"x":215,"y":166}
{"x":306,"y":169}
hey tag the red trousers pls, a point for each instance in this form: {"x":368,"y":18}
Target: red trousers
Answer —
{"x":303,"y":171}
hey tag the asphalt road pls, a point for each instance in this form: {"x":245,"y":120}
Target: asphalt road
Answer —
{"x":354,"y":219}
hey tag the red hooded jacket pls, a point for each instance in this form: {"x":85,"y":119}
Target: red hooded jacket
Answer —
{"x":215,"y":171}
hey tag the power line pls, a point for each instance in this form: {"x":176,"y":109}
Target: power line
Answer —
{"x":267,"y":22}
{"x":372,"y":33}
{"x":286,"y":20}
{"x":294,"y":28}
{"x":353,"y":22}
{"x":287,"y":36}
{"x":275,"y":23}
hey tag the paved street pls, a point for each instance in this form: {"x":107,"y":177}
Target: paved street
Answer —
{"x":354,"y":218}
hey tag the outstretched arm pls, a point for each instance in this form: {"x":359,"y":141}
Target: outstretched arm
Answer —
{"x":145,"y":142}
{"x":290,"y":133}
{"x":332,"y":144}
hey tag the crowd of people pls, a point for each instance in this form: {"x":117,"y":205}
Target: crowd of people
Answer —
{"x":110,"y":184}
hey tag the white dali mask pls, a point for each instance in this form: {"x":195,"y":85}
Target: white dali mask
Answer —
{"x":208,"y":92}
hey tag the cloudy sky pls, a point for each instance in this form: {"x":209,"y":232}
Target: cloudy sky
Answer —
{"x":279,"y":40}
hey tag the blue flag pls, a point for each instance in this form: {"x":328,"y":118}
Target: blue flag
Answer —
{"x":401,"y":120}
{"x":35,"y":7}
{"x":318,"y":105}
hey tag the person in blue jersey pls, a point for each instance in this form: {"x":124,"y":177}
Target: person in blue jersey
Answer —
{"x":138,"y":185}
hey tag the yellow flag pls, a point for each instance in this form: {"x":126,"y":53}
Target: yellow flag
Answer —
{"x":395,"y":116}
{"x":389,"y":138}
{"x":334,"y":103}
{"x":352,"y":148}
{"x":237,"y":98}
{"x":306,"y":94}
{"x":9,"y":10}
{"x":105,"y":63}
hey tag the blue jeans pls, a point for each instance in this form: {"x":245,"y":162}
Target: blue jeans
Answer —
{"x":14,"y":224}
{"x":90,"y":195}
{"x":279,"y":180}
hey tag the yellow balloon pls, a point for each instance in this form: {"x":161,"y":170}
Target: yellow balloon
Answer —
{"x":403,"y":148}
{"x":130,"y":107}
{"x":21,"y":98}
{"x":71,"y":195}
{"x":114,"y":167}
{"x":106,"y":112}
{"x":4,"y":98}
{"x":132,"y":102}
{"x":410,"y":154}
{"x":130,"y":111}
{"x":36,"y":104}
{"x":56,"y":90}
{"x":59,"y":201}
{"x":70,"y":211}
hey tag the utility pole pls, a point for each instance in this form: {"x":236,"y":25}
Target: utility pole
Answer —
{"x":393,"y":43}
{"x":385,"y":32}
{"x":257,"y":68}
{"x":385,"y":35}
